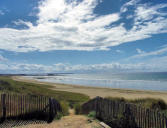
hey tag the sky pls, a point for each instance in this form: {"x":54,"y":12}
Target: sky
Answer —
{"x":49,"y":36}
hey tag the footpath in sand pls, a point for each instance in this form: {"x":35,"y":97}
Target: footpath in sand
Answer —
{"x":71,"y":121}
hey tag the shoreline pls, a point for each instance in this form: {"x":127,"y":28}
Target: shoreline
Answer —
{"x":99,"y":91}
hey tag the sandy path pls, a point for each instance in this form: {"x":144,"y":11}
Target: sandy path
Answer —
{"x":103,"y":92}
{"x":71,"y":121}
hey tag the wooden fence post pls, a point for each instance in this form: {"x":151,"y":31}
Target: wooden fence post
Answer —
{"x":50,"y":110}
{"x":139,"y":116}
{"x":127,"y":114}
{"x":166,"y":122}
{"x":163,"y":120}
{"x":3,"y":97}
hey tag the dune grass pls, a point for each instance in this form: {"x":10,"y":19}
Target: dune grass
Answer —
{"x":8,"y":85}
{"x":150,"y":103}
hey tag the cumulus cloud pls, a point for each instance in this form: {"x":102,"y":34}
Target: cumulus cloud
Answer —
{"x":73,"y":25}
{"x":151,"y":65}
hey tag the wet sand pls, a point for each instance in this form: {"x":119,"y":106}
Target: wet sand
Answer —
{"x":100,"y":91}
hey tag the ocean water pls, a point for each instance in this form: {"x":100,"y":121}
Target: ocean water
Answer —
{"x":139,"y":81}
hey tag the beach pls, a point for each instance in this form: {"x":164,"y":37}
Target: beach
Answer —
{"x":99,"y":91}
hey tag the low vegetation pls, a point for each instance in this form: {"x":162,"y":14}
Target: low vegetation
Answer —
{"x":78,"y":109}
{"x":92,"y":114}
{"x":65,"y":107}
{"x":66,"y":99}
{"x":150,"y":103}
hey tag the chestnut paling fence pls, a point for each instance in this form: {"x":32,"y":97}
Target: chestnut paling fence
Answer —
{"x":107,"y":110}
{"x":26,"y":107}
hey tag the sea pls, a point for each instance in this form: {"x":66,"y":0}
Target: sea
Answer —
{"x":156,"y":81}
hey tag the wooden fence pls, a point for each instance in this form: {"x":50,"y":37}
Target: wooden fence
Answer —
{"x":108,"y":110}
{"x":22,"y":107}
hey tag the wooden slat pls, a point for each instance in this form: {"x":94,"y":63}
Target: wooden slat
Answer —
{"x":18,"y":108}
{"x":4,"y":105}
{"x":155,"y":119}
{"x":148,"y":121}
{"x":11,"y":106}
{"x":40,"y":103}
{"x":166,"y":122}
{"x":36,"y":103}
{"x":23,"y":105}
{"x":159,"y":116}
{"x":163,"y":121}
{"x":158,"y":123}
{"x":138,"y":115}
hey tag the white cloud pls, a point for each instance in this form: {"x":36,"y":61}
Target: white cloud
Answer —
{"x":141,"y":54}
{"x":24,"y":68}
{"x":146,"y":12}
{"x":3,"y":59}
{"x":140,"y":51}
{"x":21,"y":22}
{"x":73,"y":25}
{"x":124,"y":8}
{"x":119,"y":51}
{"x":129,"y":17}
{"x":132,"y":2}
{"x":150,"y":65}
{"x":1,"y":12}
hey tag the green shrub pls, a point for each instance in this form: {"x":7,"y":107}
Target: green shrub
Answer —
{"x":145,"y":102}
{"x":58,"y":116}
{"x":5,"y":85}
{"x":151,"y":103}
{"x":92,"y":114}
{"x":159,"y":105}
{"x":65,"y":108}
{"x":78,"y":109}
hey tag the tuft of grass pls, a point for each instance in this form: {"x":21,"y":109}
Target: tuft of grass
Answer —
{"x":59,"y":115}
{"x":117,"y":99}
{"x":65,"y":108}
{"x":92,"y":114}
{"x":157,"y":104}
{"x":150,"y":103}
{"x":78,"y":109}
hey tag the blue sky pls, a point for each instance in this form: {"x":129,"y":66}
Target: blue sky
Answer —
{"x":83,"y":36}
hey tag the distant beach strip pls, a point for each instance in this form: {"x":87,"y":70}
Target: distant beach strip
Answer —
{"x":99,"y":91}
{"x":137,"y":81}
